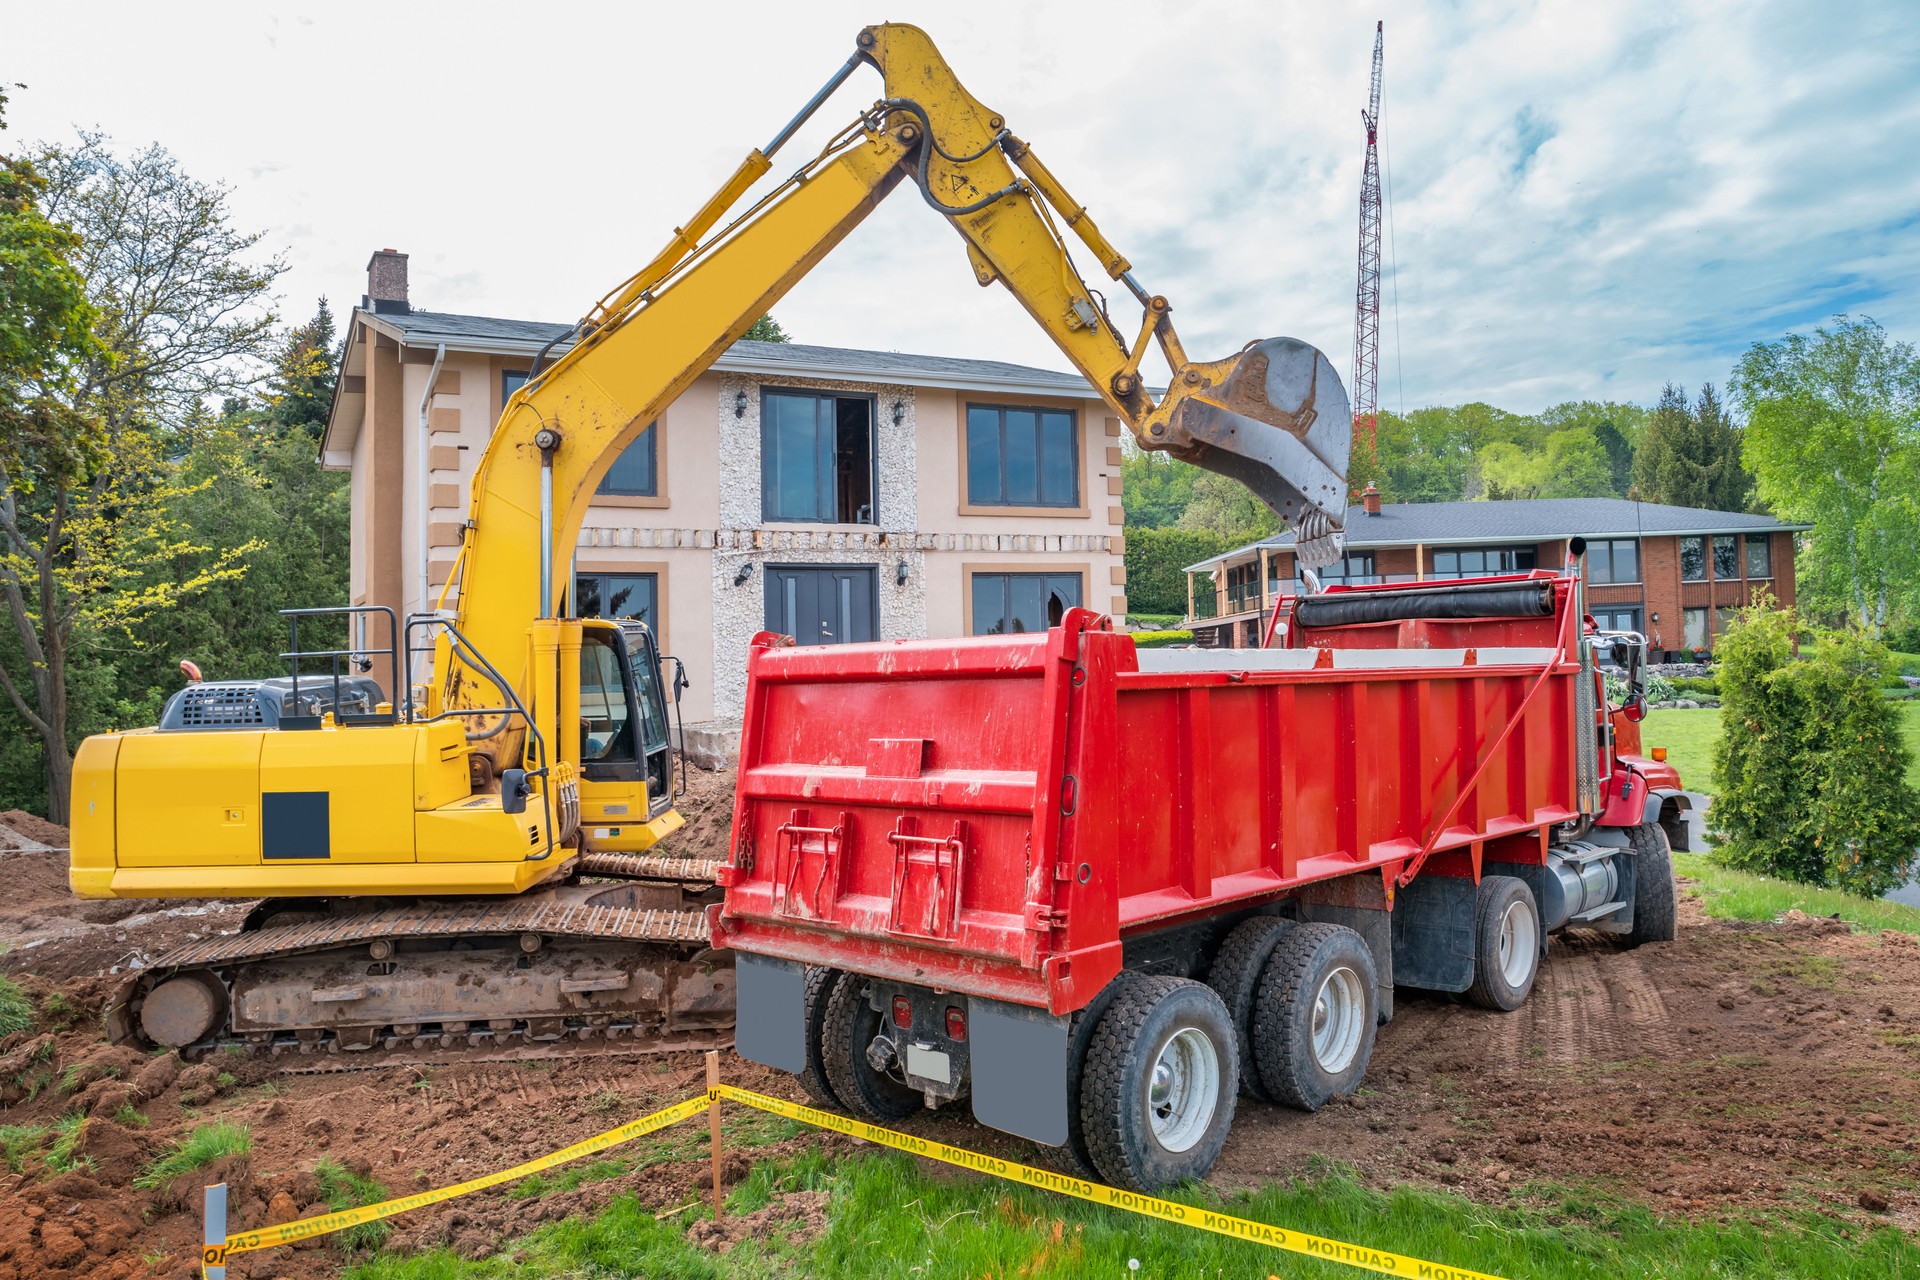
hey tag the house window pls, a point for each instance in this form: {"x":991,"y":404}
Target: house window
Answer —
{"x":1617,"y":619}
{"x":1723,"y":617}
{"x":634,"y":474}
{"x":1693,"y":559}
{"x":1759,"y":556}
{"x":1613,"y":560}
{"x":1021,"y":457}
{"x":1481,"y":561}
{"x":1016,"y":603}
{"x":1354,"y":567}
{"x":1693,"y":629}
{"x":1726,"y":563}
{"x":816,"y":458}
{"x":618,"y":595}
{"x":1243,"y":587}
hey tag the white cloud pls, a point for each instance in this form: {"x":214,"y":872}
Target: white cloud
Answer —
{"x":1590,"y":199}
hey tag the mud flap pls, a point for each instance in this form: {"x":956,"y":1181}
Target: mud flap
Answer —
{"x":1019,"y":1070}
{"x":1433,"y":933}
{"x":771,"y":1027}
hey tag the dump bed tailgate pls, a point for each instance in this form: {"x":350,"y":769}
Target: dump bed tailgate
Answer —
{"x":899,"y":812}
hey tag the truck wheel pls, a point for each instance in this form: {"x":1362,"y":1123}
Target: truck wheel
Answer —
{"x":1157,"y":1095}
{"x":851,"y":1025}
{"x":818,"y":989}
{"x":1656,"y":902}
{"x":1073,"y":1156}
{"x":1506,"y":943}
{"x":1235,"y":978}
{"x":1314,"y":1016}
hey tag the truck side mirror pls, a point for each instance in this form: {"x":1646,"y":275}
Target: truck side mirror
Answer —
{"x":514,"y":791}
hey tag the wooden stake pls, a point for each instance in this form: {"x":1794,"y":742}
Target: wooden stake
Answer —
{"x":713,"y":1129}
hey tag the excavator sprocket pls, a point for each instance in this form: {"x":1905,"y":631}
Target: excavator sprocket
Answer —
{"x":614,"y":967}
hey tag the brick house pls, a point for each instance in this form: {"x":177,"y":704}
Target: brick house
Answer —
{"x":822,"y":492}
{"x":1673,"y":573}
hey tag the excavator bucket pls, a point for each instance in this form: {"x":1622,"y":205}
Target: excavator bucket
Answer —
{"x":1280,"y":424}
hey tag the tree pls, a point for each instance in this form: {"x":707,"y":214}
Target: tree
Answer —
{"x":1156,"y":567}
{"x":1811,"y":763}
{"x":1690,"y":457}
{"x":1833,"y":438}
{"x":766,"y":329}
{"x":1156,"y":488}
{"x":92,"y":545}
{"x":1228,"y":508}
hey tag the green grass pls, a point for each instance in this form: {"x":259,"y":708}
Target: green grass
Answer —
{"x":1689,"y":735}
{"x":344,"y":1189}
{"x":892,"y":1218}
{"x":66,"y":1131}
{"x":206,"y":1144}
{"x":16,"y":1011}
{"x":17,"y":1142}
{"x":1728,"y":894}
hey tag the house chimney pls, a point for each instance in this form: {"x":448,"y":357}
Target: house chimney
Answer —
{"x":386,"y":283}
{"x":1370,"y":499}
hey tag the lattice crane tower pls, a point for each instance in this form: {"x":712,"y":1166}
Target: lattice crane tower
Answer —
{"x":1366,"y":305}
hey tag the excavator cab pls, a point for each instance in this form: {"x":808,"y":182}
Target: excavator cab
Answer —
{"x":626,"y":752}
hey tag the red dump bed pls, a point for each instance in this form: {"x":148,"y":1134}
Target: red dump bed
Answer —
{"x":993,"y":815}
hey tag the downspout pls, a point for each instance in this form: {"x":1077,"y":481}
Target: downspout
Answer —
{"x":426,"y":454}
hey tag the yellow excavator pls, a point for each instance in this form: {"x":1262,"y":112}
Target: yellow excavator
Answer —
{"x":471,"y":862}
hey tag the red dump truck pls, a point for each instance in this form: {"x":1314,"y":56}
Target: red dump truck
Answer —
{"x":1102,"y":891}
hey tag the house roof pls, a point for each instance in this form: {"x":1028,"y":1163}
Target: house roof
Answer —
{"x":1521,"y":520}
{"x":498,"y":336}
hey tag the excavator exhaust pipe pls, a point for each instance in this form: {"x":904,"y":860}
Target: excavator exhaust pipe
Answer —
{"x":1277,"y":419}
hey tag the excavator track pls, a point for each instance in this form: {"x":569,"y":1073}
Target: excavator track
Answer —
{"x":617,"y":965}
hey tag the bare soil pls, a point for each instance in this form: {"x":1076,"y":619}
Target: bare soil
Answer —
{"x":1740,"y":1069}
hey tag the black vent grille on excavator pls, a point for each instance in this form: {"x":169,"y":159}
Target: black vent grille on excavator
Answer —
{"x":220,"y":706}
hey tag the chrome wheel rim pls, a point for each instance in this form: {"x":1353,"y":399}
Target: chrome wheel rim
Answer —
{"x":1339,"y":1017}
{"x":1183,"y":1089}
{"x":1519,"y":944}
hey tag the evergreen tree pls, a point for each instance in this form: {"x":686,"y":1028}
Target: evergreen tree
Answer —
{"x":1690,"y":456}
{"x":766,"y":329}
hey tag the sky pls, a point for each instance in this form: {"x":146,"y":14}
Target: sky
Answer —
{"x":1587,"y":199}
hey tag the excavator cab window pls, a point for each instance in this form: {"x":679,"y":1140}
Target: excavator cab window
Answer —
{"x":651,"y":703}
{"x":608,"y":714}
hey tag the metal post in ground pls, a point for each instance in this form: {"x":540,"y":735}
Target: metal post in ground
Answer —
{"x":213,"y":1234}
{"x":713,"y":1129}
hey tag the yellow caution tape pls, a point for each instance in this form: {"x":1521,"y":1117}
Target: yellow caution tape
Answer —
{"x":327,"y":1223}
{"x":1390,"y":1264}
{"x":1376,"y":1260}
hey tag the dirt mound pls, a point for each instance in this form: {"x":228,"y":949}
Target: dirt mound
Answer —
{"x":707,"y":806}
{"x":23,"y":830}
{"x":798,"y":1215}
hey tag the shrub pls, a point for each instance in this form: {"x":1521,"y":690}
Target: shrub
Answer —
{"x":1811,"y":761}
{"x":16,"y":1011}
{"x":1156,"y":566}
{"x":206,"y":1144}
{"x":1160,"y":639}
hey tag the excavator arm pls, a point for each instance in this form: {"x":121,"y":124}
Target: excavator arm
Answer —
{"x":1273,"y":416}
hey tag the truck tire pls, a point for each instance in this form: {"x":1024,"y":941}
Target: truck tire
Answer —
{"x":1157,"y":1095}
{"x":1656,"y":902}
{"x":1073,"y":1156}
{"x":818,"y":989}
{"x":1506,"y":943}
{"x":850,"y":1025}
{"x":1314,"y":1018}
{"x":1235,"y":978}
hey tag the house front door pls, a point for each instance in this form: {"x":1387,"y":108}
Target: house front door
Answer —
{"x":823,"y":604}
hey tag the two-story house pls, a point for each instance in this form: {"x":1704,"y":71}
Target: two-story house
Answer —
{"x":1675,"y":574}
{"x":829,"y":494}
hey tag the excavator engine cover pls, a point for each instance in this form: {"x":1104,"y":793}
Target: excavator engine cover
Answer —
{"x":1300,"y":469}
